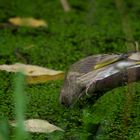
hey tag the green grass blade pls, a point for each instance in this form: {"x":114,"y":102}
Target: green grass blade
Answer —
{"x":19,"y":98}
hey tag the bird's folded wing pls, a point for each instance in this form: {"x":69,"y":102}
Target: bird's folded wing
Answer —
{"x":118,"y":69}
{"x":93,"y":76}
{"x":94,"y":62}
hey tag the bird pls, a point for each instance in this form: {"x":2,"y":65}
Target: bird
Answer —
{"x":97,"y":73}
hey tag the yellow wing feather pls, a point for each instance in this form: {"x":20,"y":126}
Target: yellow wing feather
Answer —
{"x":106,"y":62}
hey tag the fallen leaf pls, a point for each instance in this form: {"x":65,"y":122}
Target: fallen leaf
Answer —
{"x":29,"y":21}
{"x":35,"y":74}
{"x":40,"y":126}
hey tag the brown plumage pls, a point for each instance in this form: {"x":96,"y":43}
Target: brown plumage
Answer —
{"x":95,"y":74}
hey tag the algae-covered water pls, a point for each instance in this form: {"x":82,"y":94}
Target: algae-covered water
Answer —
{"x":91,"y":27}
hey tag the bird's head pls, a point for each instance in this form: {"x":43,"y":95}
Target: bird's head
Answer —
{"x":70,"y":90}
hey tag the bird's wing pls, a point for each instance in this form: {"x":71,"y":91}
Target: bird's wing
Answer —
{"x":94,"y":62}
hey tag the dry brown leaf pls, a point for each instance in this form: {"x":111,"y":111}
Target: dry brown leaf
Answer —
{"x":40,"y":126}
{"x":35,"y":74}
{"x":29,"y":21}
{"x":44,"y":78}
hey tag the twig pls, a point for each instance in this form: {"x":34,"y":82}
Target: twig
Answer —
{"x":65,"y":5}
{"x":120,"y":4}
{"x":132,"y":75}
{"x":7,"y":25}
{"x":137,"y":46}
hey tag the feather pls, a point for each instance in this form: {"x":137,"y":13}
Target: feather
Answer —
{"x":93,"y":62}
{"x":98,"y":73}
